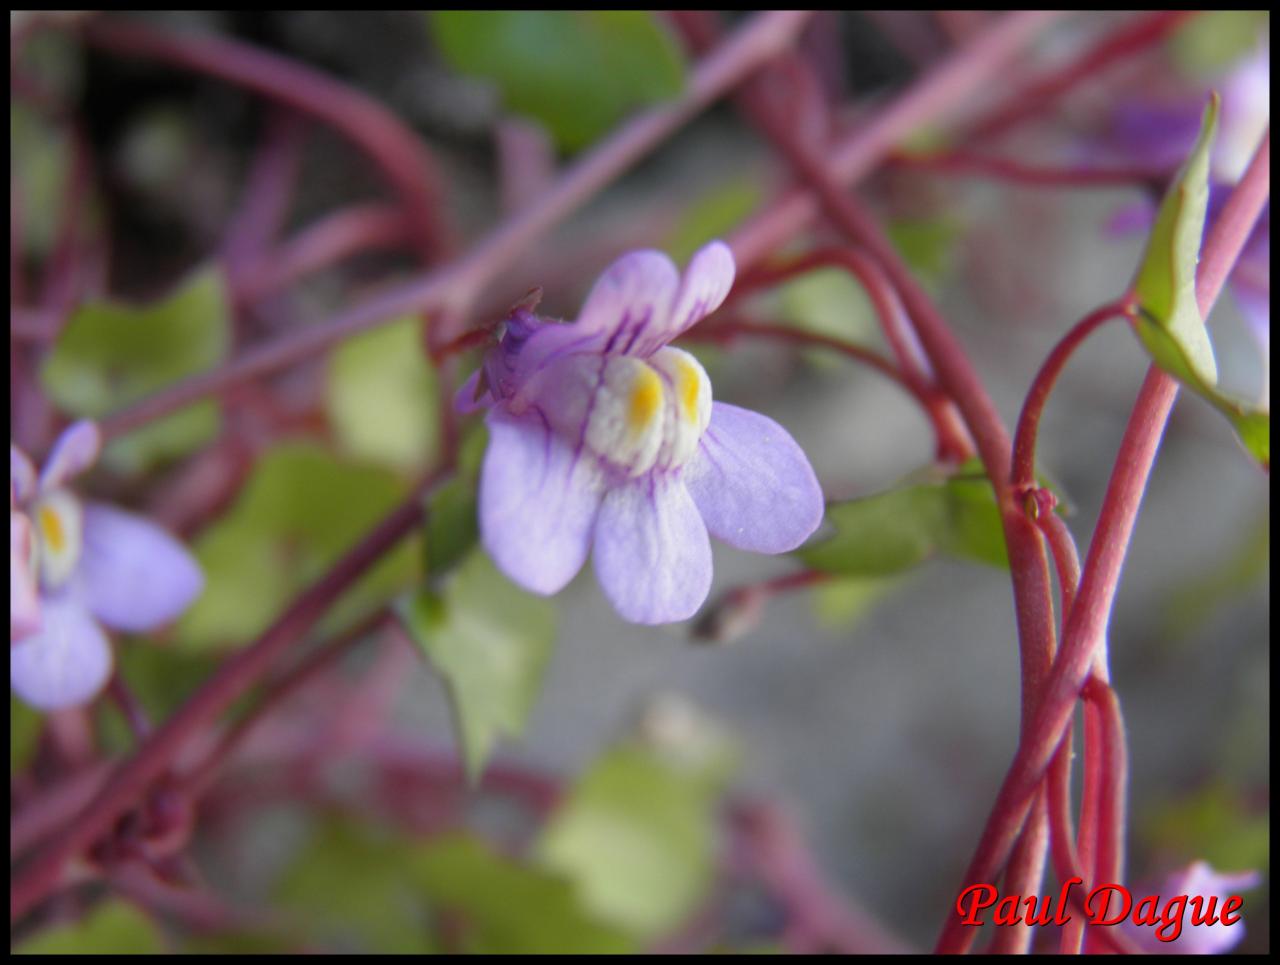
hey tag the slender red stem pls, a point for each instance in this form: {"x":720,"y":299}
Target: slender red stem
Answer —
{"x":728,"y":330}
{"x":198,"y":778}
{"x":401,"y":155}
{"x":336,"y":236}
{"x":1016,"y":172}
{"x":1087,"y":621}
{"x":1023,"y":875}
{"x":1024,"y":440}
{"x":236,"y":675}
{"x":452,"y":287}
{"x":1033,"y":99}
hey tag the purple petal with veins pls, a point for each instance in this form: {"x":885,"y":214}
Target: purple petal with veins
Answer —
{"x":134,"y":576}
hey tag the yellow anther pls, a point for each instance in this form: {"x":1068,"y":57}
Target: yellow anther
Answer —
{"x":51,"y":529}
{"x":646,"y":399}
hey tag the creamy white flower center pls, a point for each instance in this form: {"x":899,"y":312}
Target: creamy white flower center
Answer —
{"x":634,"y":414}
{"x":649,"y":413}
{"x":59,"y":536}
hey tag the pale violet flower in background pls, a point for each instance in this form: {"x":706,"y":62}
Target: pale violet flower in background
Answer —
{"x":1197,"y":879}
{"x":1162,"y":133}
{"x":75,"y":566}
{"x":605,"y":440}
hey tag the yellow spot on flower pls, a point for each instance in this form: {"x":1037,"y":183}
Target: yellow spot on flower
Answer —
{"x":51,"y":529}
{"x":689,"y":386}
{"x":646,"y":399}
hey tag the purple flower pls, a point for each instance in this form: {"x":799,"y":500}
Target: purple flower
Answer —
{"x":75,"y":565}
{"x":603,"y":439}
{"x":1162,"y":133}
{"x":1198,"y":879}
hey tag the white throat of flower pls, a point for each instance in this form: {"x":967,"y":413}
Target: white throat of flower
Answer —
{"x":649,"y":413}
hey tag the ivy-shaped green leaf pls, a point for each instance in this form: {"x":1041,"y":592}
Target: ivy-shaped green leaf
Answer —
{"x":896,"y":530}
{"x":1167,"y":318}
{"x":576,"y":71}
{"x":382,"y":396}
{"x":490,"y":641}
{"x":300,"y":510}
{"x":638,"y":838}
{"x":110,"y":355}
{"x":510,"y":909}
{"x":352,"y":886}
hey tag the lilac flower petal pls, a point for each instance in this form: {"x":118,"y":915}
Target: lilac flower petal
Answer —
{"x":22,"y":476}
{"x":1198,"y":879}
{"x":752,"y":483}
{"x":631,"y":298}
{"x":133,"y":575}
{"x":66,"y":662}
{"x":652,"y":555}
{"x":706,"y":282}
{"x":74,"y":452}
{"x":24,"y":603}
{"x":538,"y":502}
{"x":1254,"y":302}
{"x":1129,"y":219}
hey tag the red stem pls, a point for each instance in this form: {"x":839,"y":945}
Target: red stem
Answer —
{"x":1024,"y":440}
{"x":403,"y":158}
{"x":236,"y":675}
{"x":1023,"y":875}
{"x":1016,"y":172}
{"x":1088,"y":619}
{"x":927,"y":101}
{"x":1033,"y":99}
{"x":198,"y":778}
{"x":334,"y":237}
{"x":454,"y":286}
{"x":726,"y":331}
{"x":952,"y":439}
{"x":267,"y":194}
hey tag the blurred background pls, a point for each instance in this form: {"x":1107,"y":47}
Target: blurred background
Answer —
{"x":878,"y":714}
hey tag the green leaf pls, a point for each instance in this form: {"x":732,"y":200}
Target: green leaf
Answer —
{"x":638,"y":838}
{"x":841,"y":603}
{"x":927,"y":245}
{"x":1216,"y":823}
{"x":39,"y":162}
{"x":829,"y":301}
{"x":896,"y":530}
{"x":714,"y":215}
{"x":1168,"y":319}
{"x":24,"y":730}
{"x":490,"y":641}
{"x":452,"y":529}
{"x":879,"y":535}
{"x":1212,"y":40}
{"x":353,"y":885}
{"x":973,"y":530}
{"x":112,"y":928}
{"x":382,"y":397}
{"x":576,"y":71}
{"x":1170,"y":324}
{"x":298,"y":513}
{"x":110,"y":355}
{"x":509,"y":909}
